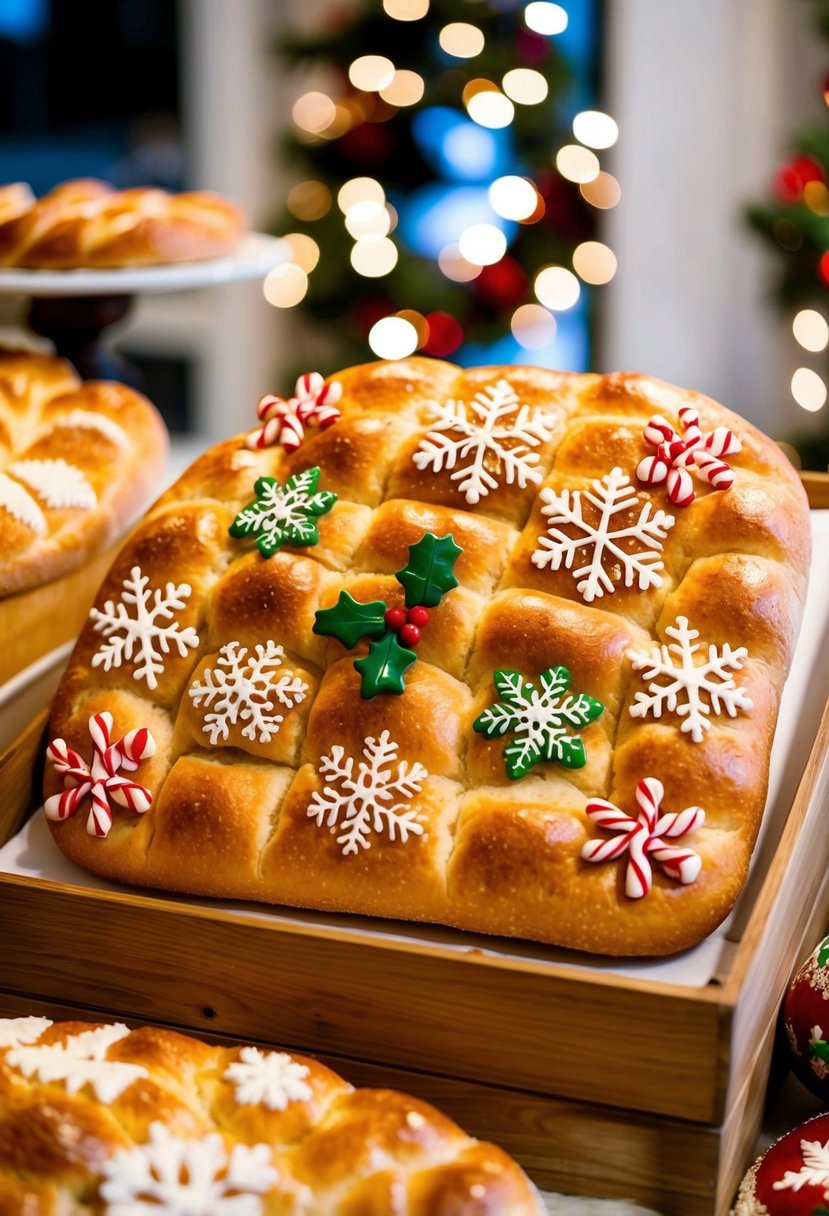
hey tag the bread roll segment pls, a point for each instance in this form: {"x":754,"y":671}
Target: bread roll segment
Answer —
{"x":97,"y":1119}
{"x":449,"y":834}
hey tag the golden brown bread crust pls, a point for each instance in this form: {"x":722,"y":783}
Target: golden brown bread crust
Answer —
{"x":77,"y":462}
{"x":88,"y":223}
{"x":233,"y":817}
{"x":331,"y":1150}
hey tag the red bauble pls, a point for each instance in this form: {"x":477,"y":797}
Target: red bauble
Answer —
{"x":419,"y":616}
{"x":791,"y":178}
{"x":395,"y":618}
{"x":503,"y":285}
{"x":792,"y":1177}
{"x":409,"y":635}
{"x":823,"y":267}
{"x":445,"y":334}
{"x":806,"y":1021}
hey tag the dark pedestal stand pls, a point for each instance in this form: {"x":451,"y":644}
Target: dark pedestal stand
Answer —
{"x":76,"y":325}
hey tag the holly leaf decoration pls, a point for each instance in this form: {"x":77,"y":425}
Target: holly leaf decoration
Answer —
{"x":383,"y":667}
{"x":427,"y":575}
{"x":823,"y":953}
{"x":349,"y":620}
{"x":541,"y":719}
{"x":820,"y":1048}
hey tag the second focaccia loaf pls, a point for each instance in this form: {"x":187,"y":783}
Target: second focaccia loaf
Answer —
{"x":97,"y":1120}
{"x":78,"y":461}
{"x":501,"y":649}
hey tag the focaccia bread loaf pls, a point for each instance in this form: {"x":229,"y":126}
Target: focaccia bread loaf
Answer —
{"x":97,"y":1120}
{"x":443,"y":698}
{"x":78,"y":461}
{"x":89,"y":223}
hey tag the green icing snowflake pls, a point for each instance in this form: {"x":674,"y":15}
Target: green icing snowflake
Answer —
{"x":280,"y":515}
{"x":542,"y":720}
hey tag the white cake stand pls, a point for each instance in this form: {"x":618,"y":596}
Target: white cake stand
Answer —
{"x":75,"y":308}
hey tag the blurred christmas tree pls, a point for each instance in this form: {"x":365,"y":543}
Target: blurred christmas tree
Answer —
{"x":442,"y":204}
{"x":795,"y":222}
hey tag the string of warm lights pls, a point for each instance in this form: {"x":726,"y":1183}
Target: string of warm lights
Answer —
{"x":377,"y":89}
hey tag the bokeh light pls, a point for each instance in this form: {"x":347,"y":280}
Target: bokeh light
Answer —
{"x":557,"y":288}
{"x":358,"y":190}
{"x":313,"y":112}
{"x":577,"y":164}
{"x":455,"y":266}
{"x":526,"y":86}
{"x":420,"y":323}
{"x":491,"y":108}
{"x":482,"y":244}
{"x":533,"y":327}
{"x":811,"y":330}
{"x":595,"y":129}
{"x":808,"y":389}
{"x":371,"y":73}
{"x":594,"y":262}
{"x":374,"y":256}
{"x":461,"y":39}
{"x":406,"y":10}
{"x":406,"y":88}
{"x":305,"y":252}
{"x":367,"y":218}
{"x":309,"y":200}
{"x":285,"y":285}
{"x":545,"y":18}
{"x":514,"y":198}
{"x":603,"y":192}
{"x":393,"y":338}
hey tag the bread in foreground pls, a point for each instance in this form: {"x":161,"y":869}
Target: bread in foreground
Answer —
{"x":88,"y":223}
{"x":100,"y":1120}
{"x":500,"y":649}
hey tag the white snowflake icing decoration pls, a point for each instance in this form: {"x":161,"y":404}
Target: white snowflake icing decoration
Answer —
{"x":168,"y":1176}
{"x":270,"y":1079}
{"x":633,"y":549}
{"x":246,"y":687}
{"x":80,"y":1060}
{"x":89,"y":420}
{"x":485,"y":446}
{"x":19,"y":503}
{"x":360,"y":806}
{"x":56,"y":482}
{"x":141,"y":624}
{"x":688,"y":681}
{"x":813,"y":1172}
{"x":14,"y":1032}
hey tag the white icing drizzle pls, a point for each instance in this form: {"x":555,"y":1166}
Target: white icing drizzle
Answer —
{"x":58,"y":483}
{"x":20,"y":505}
{"x":89,"y":420}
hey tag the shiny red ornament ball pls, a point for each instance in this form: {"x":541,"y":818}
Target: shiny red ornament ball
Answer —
{"x":395,"y":618}
{"x":409,"y":635}
{"x":824,"y":267}
{"x":792,"y":1177}
{"x":503,"y":284}
{"x":419,"y":616}
{"x":791,"y":179}
{"x":445,"y":334}
{"x":806,"y":1021}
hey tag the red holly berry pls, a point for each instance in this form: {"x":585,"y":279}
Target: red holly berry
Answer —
{"x":410,"y":635}
{"x":395,"y":618}
{"x":419,"y":616}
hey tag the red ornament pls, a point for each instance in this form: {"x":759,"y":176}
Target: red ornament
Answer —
{"x":503,"y":285}
{"x":419,"y":616}
{"x":445,"y":334}
{"x":806,"y":1021}
{"x":395,"y":618}
{"x":824,"y":267}
{"x":791,"y":178}
{"x":792,"y":1178}
{"x":409,"y":635}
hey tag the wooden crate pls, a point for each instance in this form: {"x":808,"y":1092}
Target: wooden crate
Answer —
{"x":598,"y":1084}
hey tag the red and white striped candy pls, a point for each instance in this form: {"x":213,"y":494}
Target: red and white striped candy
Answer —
{"x":284,"y":419}
{"x":644,"y":838}
{"x":677,"y":456}
{"x":99,"y":778}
